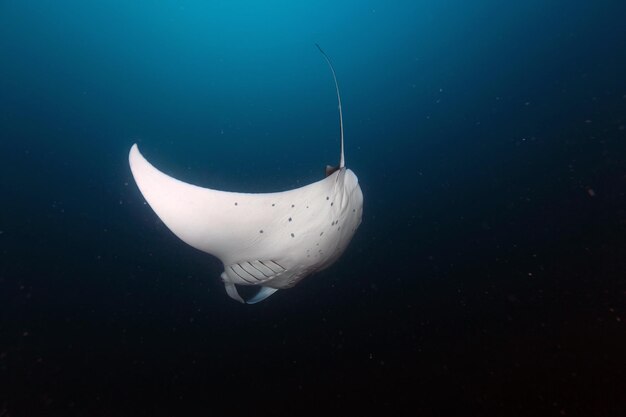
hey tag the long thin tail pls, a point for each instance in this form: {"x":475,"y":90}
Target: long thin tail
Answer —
{"x":342,"y":161}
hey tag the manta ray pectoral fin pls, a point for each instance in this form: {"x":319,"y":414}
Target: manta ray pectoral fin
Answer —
{"x":263,"y":293}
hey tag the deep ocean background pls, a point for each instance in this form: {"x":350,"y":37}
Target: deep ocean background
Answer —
{"x":488,"y":276}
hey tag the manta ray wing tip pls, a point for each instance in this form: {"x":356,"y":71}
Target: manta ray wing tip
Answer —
{"x":134,"y":155}
{"x":134,"y":149}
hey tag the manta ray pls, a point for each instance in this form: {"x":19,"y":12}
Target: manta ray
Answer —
{"x":268,"y":240}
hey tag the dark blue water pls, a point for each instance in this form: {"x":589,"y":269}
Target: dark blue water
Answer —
{"x":488,"y":276}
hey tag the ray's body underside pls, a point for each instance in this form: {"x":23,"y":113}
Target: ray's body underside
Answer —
{"x":270,"y":240}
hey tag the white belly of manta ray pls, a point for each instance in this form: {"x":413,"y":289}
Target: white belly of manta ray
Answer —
{"x":270,"y":240}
